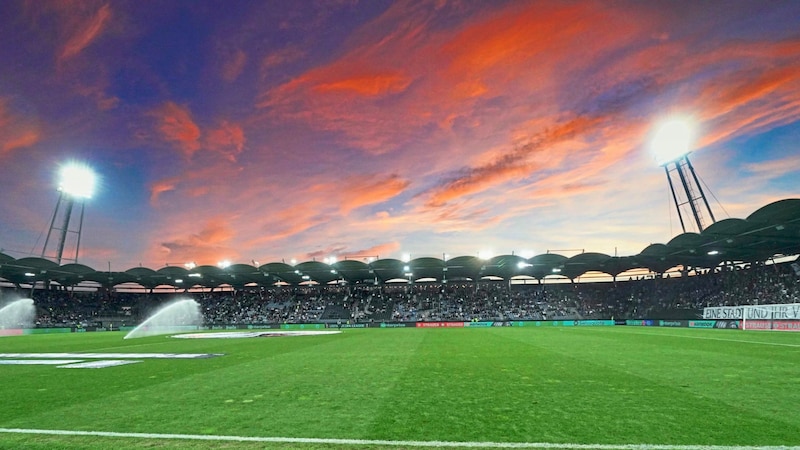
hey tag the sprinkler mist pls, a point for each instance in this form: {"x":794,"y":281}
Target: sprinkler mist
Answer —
{"x":18,"y":314}
{"x":175,"y":317}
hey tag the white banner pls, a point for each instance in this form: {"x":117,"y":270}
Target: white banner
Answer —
{"x":784,"y":311}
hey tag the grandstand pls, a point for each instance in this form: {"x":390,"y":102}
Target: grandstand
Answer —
{"x":668,"y":298}
{"x":732,"y":262}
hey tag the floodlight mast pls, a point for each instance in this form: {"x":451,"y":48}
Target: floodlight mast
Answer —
{"x":672,"y":148}
{"x":76,"y":183}
{"x":692,"y":192}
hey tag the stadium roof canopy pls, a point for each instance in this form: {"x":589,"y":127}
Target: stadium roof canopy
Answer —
{"x":771,"y":231}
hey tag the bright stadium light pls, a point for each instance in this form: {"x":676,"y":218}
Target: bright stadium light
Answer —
{"x":77,"y":180}
{"x":76,"y":184}
{"x":671,"y":144}
{"x":672,"y":140}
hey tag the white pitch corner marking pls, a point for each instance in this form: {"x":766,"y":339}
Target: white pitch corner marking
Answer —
{"x":434,"y":444}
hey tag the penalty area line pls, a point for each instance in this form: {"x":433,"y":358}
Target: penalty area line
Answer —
{"x":436,"y":444}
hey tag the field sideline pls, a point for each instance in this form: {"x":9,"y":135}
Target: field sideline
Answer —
{"x":618,"y":387}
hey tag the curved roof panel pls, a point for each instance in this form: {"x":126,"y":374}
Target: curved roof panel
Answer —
{"x":617,"y":265}
{"x":772,"y":230}
{"x":36,"y":263}
{"x":427,"y":268}
{"x":354,"y":271}
{"x":388,"y":269}
{"x":109,"y":279}
{"x":173,"y":271}
{"x":787,"y":210}
{"x":464,"y":267}
{"x":317,"y":271}
{"x":242,"y":274}
{"x":544,"y":264}
{"x":77,"y":269}
{"x":584,"y":262}
{"x":280,"y":271}
{"x":141,"y":272}
{"x":503,"y":266}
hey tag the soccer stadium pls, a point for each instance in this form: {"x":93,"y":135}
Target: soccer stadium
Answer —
{"x":275,"y":225}
{"x":500,"y":353}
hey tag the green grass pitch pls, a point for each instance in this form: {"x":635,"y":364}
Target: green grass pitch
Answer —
{"x":578,"y":385}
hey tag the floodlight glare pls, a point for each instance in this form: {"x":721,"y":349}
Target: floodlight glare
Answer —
{"x":670,"y":145}
{"x":672,"y":140}
{"x":77,"y":181}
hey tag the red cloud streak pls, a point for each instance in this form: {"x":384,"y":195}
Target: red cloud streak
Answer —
{"x":84,"y":33}
{"x":15,"y":133}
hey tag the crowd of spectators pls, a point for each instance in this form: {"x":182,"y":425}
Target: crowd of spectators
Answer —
{"x":665,"y":297}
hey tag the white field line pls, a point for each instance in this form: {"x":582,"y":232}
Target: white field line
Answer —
{"x":436,"y":444}
{"x":744,"y":341}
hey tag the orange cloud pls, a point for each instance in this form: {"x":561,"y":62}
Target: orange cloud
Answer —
{"x":358,"y":191}
{"x":234,"y":65}
{"x":776,"y":167}
{"x":511,"y":39}
{"x":369,"y":85}
{"x":227,"y":140}
{"x":95,"y":87}
{"x":519,"y":163}
{"x":15,"y":133}
{"x":177,"y":127}
{"x":197,"y":181}
{"x":365,"y":255}
{"x":515,"y":58}
{"x":26,"y":139}
{"x":85,"y":32}
{"x":327,"y":206}
{"x":159,"y":187}
{"x":379,"y":250}
{"x":281,"y":57}
{"x":208,"y":245}
{"x":750,"y":101}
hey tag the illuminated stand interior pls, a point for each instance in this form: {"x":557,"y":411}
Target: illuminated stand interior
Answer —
{"x":76,"y":185}
{"x":671,"y":148}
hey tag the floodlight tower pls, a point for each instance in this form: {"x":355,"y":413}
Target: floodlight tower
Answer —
{"x":76,"y":185}
{"x":671,"y":147}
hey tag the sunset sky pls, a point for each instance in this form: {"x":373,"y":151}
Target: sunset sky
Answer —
{"x":268,"y":130}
